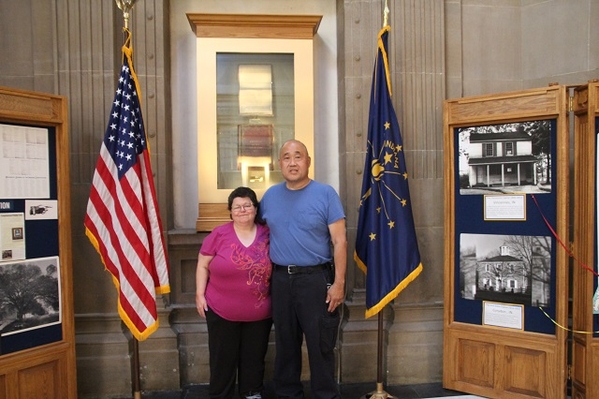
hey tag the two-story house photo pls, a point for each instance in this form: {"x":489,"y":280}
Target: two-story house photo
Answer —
{"x":500,"y":268}
{"x":501,"y":159}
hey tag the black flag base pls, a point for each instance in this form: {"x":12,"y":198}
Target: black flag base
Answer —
{"x":378,"y":394}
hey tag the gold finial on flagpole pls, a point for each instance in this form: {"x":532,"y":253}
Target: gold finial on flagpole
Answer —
{"x":125,"y":6}
{"x":386,"y":15}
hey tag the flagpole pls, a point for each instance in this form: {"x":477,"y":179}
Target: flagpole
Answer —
{"x":126,"y":6}
{"x":143,"y":258}
{"x":386,"y":15}
{"x":135,"y":378}
{"x":380,"y":392}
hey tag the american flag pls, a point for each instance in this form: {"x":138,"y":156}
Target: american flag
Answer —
{"x":122,"y":219}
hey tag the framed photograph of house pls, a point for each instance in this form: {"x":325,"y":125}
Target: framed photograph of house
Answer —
{"x":506,"y":268}
{"x":505,"y":158}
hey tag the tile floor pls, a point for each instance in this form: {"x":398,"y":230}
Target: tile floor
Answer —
{"x":348,"y":391}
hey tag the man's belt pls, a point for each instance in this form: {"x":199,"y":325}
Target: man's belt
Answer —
{"x":294,"y":269}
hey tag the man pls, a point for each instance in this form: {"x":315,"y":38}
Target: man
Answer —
{"x":306,"y":219}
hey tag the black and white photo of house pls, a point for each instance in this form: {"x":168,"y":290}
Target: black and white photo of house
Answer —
{"x":29,"y":295}
{"x":506,"y":158}
{"x":506,"y":268}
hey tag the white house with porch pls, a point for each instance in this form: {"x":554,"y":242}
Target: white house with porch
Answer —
{"x":501,"y":159}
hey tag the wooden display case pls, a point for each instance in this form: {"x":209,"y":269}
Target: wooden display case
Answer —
{"x":37,"y":346}
{"x":506,"y":271}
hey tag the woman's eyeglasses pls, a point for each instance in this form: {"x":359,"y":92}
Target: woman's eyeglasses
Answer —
{"x":243,"y":207}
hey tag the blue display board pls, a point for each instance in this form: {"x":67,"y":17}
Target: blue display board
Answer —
{"x":505,"y":217}
{"x":30,"y":284}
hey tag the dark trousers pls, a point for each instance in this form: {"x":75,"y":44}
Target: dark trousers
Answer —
{"x":299,"y":310}
{"x":237,"y":351}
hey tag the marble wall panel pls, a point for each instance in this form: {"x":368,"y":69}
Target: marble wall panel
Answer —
{"x":546,"y":48}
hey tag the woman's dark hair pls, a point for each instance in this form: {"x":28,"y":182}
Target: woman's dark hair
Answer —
{"x":246,"y":192}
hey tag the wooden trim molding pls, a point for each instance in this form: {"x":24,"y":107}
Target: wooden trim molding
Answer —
{"x":18,"y":105}
{"x":254,"y":25}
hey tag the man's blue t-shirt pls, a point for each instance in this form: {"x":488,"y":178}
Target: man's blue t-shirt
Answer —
{"x":299,"y":222}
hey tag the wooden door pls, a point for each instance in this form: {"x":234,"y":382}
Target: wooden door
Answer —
{"x":37,"y":334}
{"x":585,"y":340}
{"x":506,"y":273}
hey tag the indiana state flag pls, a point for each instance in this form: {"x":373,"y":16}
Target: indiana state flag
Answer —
{"x":386,"y":246}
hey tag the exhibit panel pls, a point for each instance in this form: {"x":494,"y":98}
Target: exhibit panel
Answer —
{"x":585,"y":299}
{"x":37,"y":339}
{"x":506,"y":235}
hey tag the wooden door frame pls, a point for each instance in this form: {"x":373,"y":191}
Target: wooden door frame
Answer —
{"x":585,"y":343}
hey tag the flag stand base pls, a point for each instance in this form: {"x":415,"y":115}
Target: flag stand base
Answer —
{"x":378,"y":394}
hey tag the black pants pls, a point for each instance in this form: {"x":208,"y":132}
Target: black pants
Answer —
{"x":237,"y":351}
{"x":299,"y":310}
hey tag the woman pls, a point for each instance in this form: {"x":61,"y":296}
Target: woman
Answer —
{"x":233,"y":295}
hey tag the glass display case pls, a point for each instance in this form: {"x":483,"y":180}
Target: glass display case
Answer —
{"x":255,"y":109}
{"x":255,"y":90}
